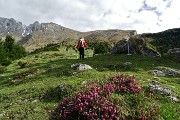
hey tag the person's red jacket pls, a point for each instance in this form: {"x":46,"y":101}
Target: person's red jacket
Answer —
{"x":81,"y":43}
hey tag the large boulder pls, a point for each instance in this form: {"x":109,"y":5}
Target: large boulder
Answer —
{"x":136,"y":45}
{"x":121,"y":47}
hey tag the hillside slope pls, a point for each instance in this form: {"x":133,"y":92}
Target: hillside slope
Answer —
{"x":37,"y":35}
{"x":32,"y":87}
{"x":165,"y":40}
{"x":53,"y":33}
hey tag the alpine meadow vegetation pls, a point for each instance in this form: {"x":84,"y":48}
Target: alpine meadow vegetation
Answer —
{"x":43,"y":86}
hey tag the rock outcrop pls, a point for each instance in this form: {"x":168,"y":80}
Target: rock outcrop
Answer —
{"x":81,"y":67}
{"x":163,"y":91}
{"x":121,"y":47}
{"x":134,"y":45}
{"x":157,"y":73}
{"x":12,"y":27}
{"x":165,"y":71}
{"x":169,"y":71}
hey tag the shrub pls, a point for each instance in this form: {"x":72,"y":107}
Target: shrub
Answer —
{"x":2,"y":69}
{"x":22,"y":64}
{"x":88,"y":104}
{"x":9,"y":43}
{"x":59,"y":92}
{"x":102,"y":47}
{"x":17,"y":52}
{"x":3,"y":54}
{"x":125,"y":84}
{"x":49,"y":47}
{"x":6,"y":62}
{"x":96,"y":101}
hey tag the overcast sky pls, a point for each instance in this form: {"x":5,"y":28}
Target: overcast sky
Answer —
{"x":86,"y":15}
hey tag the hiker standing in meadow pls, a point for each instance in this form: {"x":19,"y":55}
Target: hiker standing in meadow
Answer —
{"x":80,"y":46}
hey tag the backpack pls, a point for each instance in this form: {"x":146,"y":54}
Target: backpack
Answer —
{"x":81,"y":43}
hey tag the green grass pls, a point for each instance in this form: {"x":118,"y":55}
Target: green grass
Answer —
{"x":33,"y":92}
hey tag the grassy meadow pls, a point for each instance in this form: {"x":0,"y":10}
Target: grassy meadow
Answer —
{"x":30,"y":87}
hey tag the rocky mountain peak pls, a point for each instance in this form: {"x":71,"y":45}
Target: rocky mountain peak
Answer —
{"x":16,"y":28}
{"x":11,"y":26}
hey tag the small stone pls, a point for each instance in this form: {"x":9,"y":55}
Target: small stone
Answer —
{"x":2,"y":114}
{"x":127,"y":63}
{"x":34,"y":101}
{"x":84,"y":82}
{"x":175,"y":99}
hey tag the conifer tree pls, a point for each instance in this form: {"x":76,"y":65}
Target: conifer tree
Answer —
{"x":10,"y":51}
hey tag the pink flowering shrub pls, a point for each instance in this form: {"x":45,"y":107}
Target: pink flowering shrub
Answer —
{"x":95,"y":101}
{"x":123,"y":84}
{"x":91,"y":103}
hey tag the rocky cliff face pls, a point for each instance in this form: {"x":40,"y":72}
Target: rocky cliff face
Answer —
{"x":11,"y":26}
{"x":16,"y":28}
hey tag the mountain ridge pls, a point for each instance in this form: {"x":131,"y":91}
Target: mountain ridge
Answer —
{"x":38,"y":35}
{"x":10,"y":25}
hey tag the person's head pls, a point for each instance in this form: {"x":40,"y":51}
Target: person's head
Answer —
{"x":81,"y":38}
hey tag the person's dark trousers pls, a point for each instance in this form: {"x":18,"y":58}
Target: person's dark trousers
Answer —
{"x":81,"y":53}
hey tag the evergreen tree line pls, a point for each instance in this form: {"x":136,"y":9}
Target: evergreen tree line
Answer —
{"x":10,"y":51}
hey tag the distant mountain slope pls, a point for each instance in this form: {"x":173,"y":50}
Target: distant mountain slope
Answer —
{"x":18,"y":30}
{"x":111,"y":36}
{"x":165,"y":40}
{"x":38,"y":35}
{"x":48,"y":33}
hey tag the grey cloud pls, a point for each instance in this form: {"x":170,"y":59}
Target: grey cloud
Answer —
{"x":25,"y":10}
{"x":146,"y":7}
{"x":169,"y":3}
{"x":81,"y":15}
{"x":107,"y":13}
{"x":158,"y":24}
{"x":158,"y":13}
